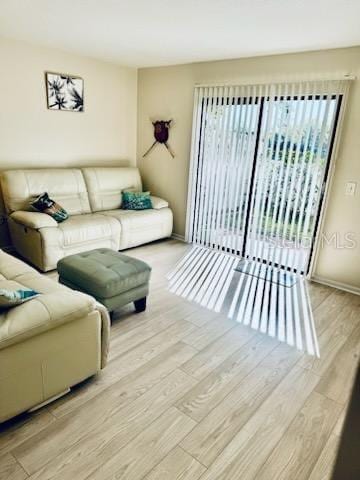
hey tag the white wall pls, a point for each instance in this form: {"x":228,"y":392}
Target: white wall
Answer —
{"x":167,"y":92}
{"x":33,"y":136}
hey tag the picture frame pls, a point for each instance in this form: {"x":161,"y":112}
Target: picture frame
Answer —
{"x":64,"y":92}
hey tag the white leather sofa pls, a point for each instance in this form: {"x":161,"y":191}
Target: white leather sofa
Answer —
{"x":49,"y":343}
{"x":92,"y":198}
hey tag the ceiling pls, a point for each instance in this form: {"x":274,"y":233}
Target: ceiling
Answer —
{"x":144,"y":33}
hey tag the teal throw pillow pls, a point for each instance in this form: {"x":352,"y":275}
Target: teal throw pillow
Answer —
{"x":136,"y":200}
{"x":11,"y":298}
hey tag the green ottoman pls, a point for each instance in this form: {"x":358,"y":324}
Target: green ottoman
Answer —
{"x":112,"y":278}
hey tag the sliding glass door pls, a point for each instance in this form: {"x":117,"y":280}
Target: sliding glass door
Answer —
{"x":260,"y":161}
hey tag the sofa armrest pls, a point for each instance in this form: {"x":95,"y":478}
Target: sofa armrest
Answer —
{"x":43,"y":313}
{"x":158,"y":203}
{"x":34,"y":220}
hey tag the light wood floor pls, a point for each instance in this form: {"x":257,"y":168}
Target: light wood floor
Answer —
{"x":189,"y":394}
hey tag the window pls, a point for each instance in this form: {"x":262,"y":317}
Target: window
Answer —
{"x":260,"y":162}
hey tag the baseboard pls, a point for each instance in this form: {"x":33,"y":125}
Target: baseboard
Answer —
{"x":339,"y":285}
{"x":176,"y":236}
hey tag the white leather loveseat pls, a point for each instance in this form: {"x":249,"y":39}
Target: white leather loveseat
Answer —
{"x":92,"y":198}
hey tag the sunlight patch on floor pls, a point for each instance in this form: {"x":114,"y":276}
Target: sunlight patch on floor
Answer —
{"x":203,"y":276}
{"x":254,"y":294}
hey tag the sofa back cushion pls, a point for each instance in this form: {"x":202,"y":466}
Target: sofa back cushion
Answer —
{"x":65,"y":186}
{"x":105,"y":185}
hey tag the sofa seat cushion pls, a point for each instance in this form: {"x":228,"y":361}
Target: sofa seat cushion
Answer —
{"x":142,"y":226}
{"x":104,"y":273}
{"x":88,"y":228}
{"x":41,"y":314}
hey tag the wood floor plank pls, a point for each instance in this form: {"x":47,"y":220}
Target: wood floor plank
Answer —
{"x":177,"y":465}
{"x":126,"y":364}
{"x":18,"y":430}
{"x":104,"y":439}
{"x":70,"y":429}
{"x":245,"y":454}
{"x":338,"y":380}
{"x":330,"y":309}
{"x":200,"y":316}
{"x":331,"y":340}
{"x":148,"y":449}
{"x":340,"y":423}
{"x":218,"y":428}
{"x":325,"y":463}
{"x":10,"y":469}
{"x":160,"y":302}
{"x":199,"y":401}
{"x":208,"y":333}
{"x":318,"y":293}
{"x":210,"y":357}
{"x":125,"y":321}
{"x":303,"y":442}
{"x":174,"y":249}
{"x":131,"y":339}
{"x":154,"y":345}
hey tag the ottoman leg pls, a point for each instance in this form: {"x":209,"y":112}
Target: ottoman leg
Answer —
{"x":140,"y":305}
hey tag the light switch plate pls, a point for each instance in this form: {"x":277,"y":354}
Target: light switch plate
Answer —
{"x":350,"y":188}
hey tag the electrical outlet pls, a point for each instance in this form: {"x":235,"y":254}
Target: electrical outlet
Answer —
{"x":350,"y":189}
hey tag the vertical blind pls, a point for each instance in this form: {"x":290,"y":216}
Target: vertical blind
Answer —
{"x":259,"y":163}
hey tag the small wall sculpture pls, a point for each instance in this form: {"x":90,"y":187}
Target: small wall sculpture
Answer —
{"x":161,"y":134}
